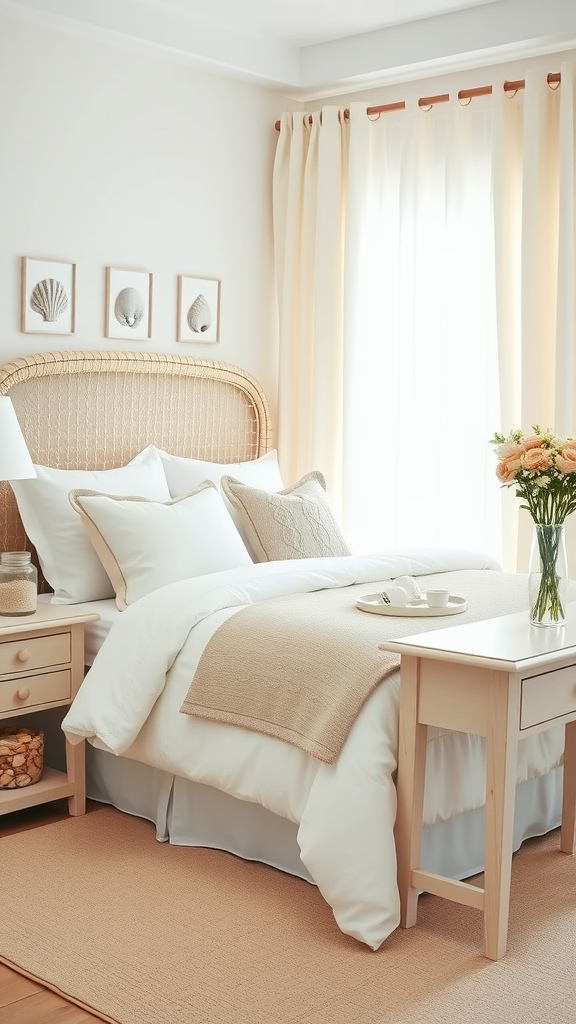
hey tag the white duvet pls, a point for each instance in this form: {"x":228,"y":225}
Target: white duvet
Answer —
{"x":130,"y":699}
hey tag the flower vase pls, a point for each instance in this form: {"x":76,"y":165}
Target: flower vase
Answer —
{"x":548,"y":575}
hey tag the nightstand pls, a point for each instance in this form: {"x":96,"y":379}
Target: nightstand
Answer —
{"x":41,"y":667}
{"x":503,"y":679}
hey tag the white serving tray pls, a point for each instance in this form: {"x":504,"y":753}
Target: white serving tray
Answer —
{"x":374,"y":603}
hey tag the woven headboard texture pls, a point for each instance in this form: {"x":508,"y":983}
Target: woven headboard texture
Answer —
{"x":97,"y":410}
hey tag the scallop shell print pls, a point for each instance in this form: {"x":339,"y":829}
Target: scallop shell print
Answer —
{"x":129,"y":307}
{"x":49,"y":299}
{"x":199,"y":315}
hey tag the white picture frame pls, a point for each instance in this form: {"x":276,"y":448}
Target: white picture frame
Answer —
{"x":48,"y":296}
{"x":198,"y":309}
{"x":128,"y":304}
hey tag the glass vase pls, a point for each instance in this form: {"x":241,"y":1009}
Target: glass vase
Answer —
{"x":548,"y":575}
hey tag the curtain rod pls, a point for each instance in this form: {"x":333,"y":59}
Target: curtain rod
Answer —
{"x":426,"y":102}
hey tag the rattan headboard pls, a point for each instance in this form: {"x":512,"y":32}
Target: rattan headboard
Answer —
{"x":97,"y":410}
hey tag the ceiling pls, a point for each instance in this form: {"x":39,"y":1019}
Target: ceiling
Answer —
{"x":306,"y":22}
{"x":311,"y":48}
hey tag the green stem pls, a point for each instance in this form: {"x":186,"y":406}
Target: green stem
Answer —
{"x":548,"y":601}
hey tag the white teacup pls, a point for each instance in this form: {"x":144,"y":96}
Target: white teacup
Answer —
{"x":409,"y":584}
{"x":395,"y":596}
{"x":437,"y":598}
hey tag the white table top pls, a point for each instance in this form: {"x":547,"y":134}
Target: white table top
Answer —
{"x":47,"y":615}
{"x":508,"y":642}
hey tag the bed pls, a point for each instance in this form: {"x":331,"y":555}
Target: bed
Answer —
{"x":211,"y":782}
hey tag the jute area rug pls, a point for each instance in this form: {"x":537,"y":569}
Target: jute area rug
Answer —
{"x":140,"y":932}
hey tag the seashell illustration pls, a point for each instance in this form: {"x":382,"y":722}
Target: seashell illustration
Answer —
{"x":49,"y":299}
{"x":129,"y":307}
{"x":199,"y":315}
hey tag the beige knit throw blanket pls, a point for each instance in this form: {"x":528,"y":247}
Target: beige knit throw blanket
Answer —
{"x":298,"y":668}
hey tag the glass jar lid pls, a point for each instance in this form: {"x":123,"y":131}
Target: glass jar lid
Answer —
{"x":15,"y":558}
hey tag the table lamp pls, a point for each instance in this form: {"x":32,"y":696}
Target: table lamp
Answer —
{"x":15,"y":461}
{"x":18,"y":577}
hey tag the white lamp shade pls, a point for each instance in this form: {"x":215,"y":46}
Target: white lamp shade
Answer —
{"x":15,"y":461}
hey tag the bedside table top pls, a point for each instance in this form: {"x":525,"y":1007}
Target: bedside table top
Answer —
{"x":507,"y":642}
{"x":46,"y":615}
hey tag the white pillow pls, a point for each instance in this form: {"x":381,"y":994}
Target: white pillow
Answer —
{"x":67,"y":558}
{"x":183,"y":475}
{"x":144,"y":545}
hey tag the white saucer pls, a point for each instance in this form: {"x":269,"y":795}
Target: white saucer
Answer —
{"x":373,"y":603}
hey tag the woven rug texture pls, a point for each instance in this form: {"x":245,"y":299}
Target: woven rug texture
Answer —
{"x":141,"y":932}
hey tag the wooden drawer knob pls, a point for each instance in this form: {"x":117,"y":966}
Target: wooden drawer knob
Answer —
{"x":24,"y":693}
{"x":23,"y":655}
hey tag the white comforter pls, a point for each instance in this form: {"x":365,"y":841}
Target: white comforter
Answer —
{"x":130,"y":699}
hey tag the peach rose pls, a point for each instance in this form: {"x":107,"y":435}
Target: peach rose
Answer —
{"x":508,"y":449}
{"x":566,"y":461}
{"x":532,"y":442}
{"x":507,"y":468}
{"x":537,"y":458}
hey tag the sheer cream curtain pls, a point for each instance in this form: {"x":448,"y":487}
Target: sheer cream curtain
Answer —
{"x":309,"y":224}
{"x":420,"y":396}
{"x":425,"y":268}
{"x":535,"y":229}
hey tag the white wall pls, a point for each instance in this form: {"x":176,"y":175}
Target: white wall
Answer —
{"x":113,"y":157}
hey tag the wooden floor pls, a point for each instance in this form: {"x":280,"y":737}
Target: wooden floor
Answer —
{"x":23,"y":1001}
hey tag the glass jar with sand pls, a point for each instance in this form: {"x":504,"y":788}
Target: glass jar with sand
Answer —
{"x":18,"y":583}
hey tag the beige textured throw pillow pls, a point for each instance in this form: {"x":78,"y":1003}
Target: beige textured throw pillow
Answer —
{"x":294,"y":523}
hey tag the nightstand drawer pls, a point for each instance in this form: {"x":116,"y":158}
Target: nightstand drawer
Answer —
{"x":27,"y":693}
{"x":29,"y":654}
{"x":548,"y":696}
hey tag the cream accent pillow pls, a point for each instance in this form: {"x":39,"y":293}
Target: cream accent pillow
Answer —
{"x":183,"y":474}
{"x":144,"y":545}
{"x":67,"y":558}
{"x":296,"y":522}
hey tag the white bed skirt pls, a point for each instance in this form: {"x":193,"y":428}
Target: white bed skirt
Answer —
{"x":192,"y":814}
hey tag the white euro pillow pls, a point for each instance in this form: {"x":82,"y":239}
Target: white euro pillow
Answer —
{"x":145,"y":544}
{"x":67,"y":558}
{"x":183,"y":474}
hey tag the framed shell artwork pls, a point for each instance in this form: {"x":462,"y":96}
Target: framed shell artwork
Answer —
{"x":48,"y":296}
{"x":128,"y":304}
{"x":198,"y":309}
